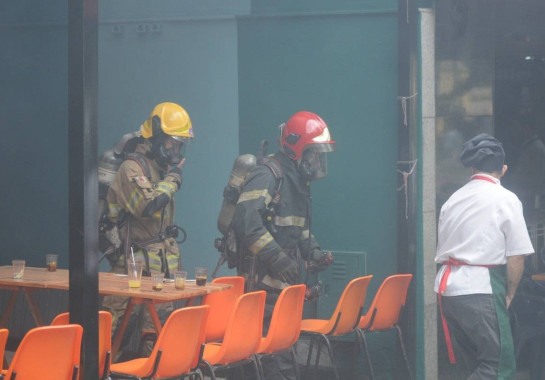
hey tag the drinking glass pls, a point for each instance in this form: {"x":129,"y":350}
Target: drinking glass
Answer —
{"x":179,"y":279}
{"x":51,"y":260}
{"x":18,"y":268}
{"x":134,"y":273}
{"x":157,"y":278}
{"x":201,"y":274}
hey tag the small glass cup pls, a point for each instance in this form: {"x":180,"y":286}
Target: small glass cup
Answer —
{"x":18,"y":268}
{"x":51,"y":261}
{"x":179,"y":279}
{"x":134,"y":273}
{"x":157,"y":283}
{"x":201,"y":274}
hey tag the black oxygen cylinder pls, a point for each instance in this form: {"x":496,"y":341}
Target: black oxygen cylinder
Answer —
{"x":241,"y":167}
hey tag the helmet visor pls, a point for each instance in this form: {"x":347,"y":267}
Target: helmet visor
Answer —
{"x":314,"y":164}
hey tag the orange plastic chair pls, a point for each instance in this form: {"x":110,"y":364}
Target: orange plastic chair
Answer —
{"x":285,"y":326}
{"x":221,"y":306}
{"x":104,"y":339}
{"x":343,"y":321}
{"x":242,"y":337}
{"x":47,"y":353}
{"x":383,"y":314}
{"x":176,"y":353}
{"x":4,"y":333}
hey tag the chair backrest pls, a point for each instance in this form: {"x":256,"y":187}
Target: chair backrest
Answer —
{"x":221,"y":306}
{"x":244,"y":329}
{"x":104,"y":337}
{"x":346,"y":315}
{"x":285,"y":326}
{"x":387,"y":303}
{"x":47,"y":353}
{"x":4,"y":333}
{"x":61,"y":319}
{"x":179,"y":342}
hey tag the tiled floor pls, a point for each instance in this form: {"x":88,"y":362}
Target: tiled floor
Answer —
{"x":522,"y":374}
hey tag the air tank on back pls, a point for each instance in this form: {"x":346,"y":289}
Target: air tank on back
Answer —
{"x":109,"y":164}
{"x":241,"y":167}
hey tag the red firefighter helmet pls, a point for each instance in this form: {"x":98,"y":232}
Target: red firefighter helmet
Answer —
{"x":305,"y":130}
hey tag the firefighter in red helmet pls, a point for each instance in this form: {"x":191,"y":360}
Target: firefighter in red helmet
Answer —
{"x":271,"y":221}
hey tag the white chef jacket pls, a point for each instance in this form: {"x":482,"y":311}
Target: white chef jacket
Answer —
{"x":480,"y":224}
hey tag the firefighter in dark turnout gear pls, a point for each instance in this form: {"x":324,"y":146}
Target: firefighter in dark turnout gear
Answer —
{"x":141,"y":203}
{"x":272,"y":217}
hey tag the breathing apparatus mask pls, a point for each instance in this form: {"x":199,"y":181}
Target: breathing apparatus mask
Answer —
{"x":313,"y":163}
{"x":169,"y":150}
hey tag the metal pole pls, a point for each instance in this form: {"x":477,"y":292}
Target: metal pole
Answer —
{"x":407,"y":219}
{"x":82,"y":173}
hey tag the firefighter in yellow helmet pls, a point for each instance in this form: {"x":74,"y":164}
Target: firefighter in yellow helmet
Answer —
{"x":141,"y":202}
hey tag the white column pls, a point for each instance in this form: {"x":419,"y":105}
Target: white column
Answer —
{"x":427,"y":59}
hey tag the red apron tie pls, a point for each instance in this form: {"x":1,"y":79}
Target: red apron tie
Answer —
{"x":442,"y":287}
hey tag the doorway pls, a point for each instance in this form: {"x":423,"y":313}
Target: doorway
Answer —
{"x":519,"y":108}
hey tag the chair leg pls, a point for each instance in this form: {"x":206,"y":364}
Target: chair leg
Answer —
{"x":318,"y":355}
{"x":295,"y":365}
{"x":400,"y":336}
{"x":209,"y":368}
{"x":106,"y":369}
{"x":293,"y":358}
{"x":309,"y":356}
{"x":75,"y":373}
{"x":257,"y":367}
{"x":367,"y":353}
{"x":193,"y":375}
{"x":260,"y":367}
{"x":360,"y":345}
{"x":331,"y":357}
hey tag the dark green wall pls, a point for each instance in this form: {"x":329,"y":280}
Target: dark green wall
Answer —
{"x":192,"y":62}
{"x":33,"y":121}
{"x":319,"y":6}
{"x":240,"y":68}
{"x":342,"y":67}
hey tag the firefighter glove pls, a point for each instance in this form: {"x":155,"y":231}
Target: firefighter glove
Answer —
{"x":284,"y":268}
{"x":175,"y":175}
{"x":319,"y":261}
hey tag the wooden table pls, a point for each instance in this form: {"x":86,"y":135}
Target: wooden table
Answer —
{"x":108,"y":284}
{"x":117,"y":285}
{"x":34,"y":278}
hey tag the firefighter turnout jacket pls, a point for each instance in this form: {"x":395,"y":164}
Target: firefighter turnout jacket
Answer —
{"x":272,"y":215}
{"x":134,"y":194}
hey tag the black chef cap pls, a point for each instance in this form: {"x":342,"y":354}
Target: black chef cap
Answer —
{"x":483,"y":152}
